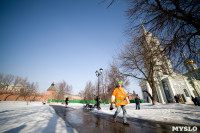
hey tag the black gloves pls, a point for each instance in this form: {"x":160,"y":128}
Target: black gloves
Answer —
{"x":111,"y":107}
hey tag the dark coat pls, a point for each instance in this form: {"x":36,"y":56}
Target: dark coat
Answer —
{"x":66,"y":100}
{"x":137,"y":100}
{"x":197,"y":101}
{"x":194,"y":100}
{"x":176,"y":98}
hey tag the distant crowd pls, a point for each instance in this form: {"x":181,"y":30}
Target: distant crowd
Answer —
{"x":195,"y":100}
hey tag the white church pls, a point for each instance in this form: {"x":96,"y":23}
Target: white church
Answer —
{"x":169,"y":83}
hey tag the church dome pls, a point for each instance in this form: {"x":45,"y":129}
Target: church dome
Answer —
{"x":52,"y":87}
{"x":187,"y":62}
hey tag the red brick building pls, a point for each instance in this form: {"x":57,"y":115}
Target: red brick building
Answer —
{"x":9,"y":94}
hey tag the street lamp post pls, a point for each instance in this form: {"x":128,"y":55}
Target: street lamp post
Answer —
{"x":98,"y":74}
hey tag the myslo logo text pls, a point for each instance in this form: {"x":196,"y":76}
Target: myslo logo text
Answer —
{"x":184,"y":128}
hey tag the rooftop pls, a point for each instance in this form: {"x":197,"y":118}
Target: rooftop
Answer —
{"x":52,"y":87}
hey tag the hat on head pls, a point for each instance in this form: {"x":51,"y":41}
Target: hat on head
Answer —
{"x":120,"y":82}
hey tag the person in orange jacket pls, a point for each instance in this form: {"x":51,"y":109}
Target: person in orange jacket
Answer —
{"x":120,"y":98}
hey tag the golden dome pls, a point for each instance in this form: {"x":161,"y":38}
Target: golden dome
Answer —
{"x":187,"y":62}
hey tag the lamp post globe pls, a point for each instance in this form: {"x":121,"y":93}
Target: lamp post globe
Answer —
{"x":97,"y":73}
{"x":101,"y":70}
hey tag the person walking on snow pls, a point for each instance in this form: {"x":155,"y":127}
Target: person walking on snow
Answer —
{"x":120,"y":98}
{"x":176,"y":98}
{"x":66,"y":101}
{"x":137,"y":101}
{"x":194,"y":100}
{"x":98,"y":99}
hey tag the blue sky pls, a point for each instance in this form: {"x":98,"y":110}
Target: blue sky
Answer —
{"x":55,"y":40}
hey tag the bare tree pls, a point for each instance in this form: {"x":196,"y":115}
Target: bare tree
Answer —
{"x":62,"y":89}
{"x":16,"y":82}
{"x":144,"y":59}
{"x":113,"y":77}
{"x":33,"y":90}
{"x":24,"y":90}
{"x":6,"y":81}
{"x":175,"y":22}
{"x":81,"y":93}
{"x":2,"y":84}
{"x":89,"y":91}
{"x":6,"y":84}
{"x":16,"y":85}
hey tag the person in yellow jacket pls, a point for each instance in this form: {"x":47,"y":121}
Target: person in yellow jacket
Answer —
{"x":120,"y":98}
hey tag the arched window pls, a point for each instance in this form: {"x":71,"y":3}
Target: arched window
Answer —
{"x":186,"y":93}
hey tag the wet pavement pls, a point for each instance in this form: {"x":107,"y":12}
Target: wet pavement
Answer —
{"x":85,"y":121}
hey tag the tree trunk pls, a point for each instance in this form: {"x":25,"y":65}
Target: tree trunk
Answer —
{"x":153,"y":88}
{"x":154,"y":97}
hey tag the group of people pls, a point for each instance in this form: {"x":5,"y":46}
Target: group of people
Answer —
{"x":195,"y":100}
{"x":176,"y":98}
{"x":119,"y":97}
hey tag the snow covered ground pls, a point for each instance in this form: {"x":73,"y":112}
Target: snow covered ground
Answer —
{"x":32,"y":118}
{"x":172,"y":113}
{"x":36,"y":117}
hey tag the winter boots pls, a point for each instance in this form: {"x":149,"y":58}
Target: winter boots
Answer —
{"x":126,"y":123}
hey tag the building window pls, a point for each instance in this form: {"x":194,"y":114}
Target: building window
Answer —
{"x":186,"y":93}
